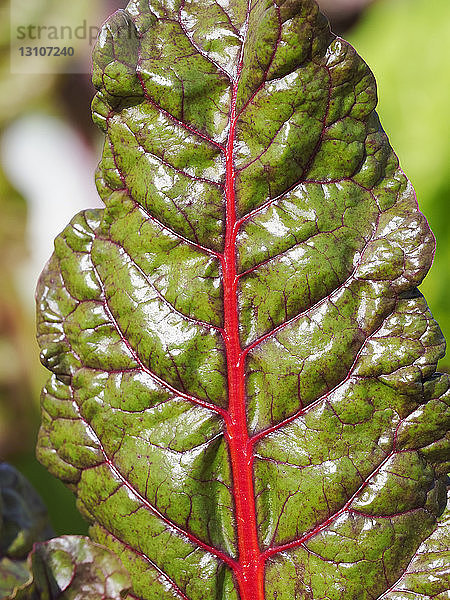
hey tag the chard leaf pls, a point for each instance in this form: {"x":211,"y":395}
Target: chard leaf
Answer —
{"x":244,"y":393}
{"x":13,"y":574}
{"x":74,"y":568}
{"x":69,"y":567}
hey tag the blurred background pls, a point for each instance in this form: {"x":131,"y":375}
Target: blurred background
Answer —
{"x":49,"y":150}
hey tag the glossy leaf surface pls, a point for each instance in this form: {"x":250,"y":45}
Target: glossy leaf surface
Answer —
{"x":244,"y":394}
{"x":428,"y":574}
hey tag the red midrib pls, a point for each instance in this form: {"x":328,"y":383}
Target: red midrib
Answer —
{"x":250,"y":571}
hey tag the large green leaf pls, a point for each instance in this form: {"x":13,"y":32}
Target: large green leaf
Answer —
{"x":244,"y":395}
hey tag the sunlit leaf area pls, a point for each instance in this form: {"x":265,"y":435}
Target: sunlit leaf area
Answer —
{"x":50,"y":150}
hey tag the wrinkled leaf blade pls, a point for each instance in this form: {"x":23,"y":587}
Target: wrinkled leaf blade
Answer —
{"x":244,"y":393}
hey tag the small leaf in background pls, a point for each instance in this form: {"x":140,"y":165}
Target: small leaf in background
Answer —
{"x":73,"y":567}
{"x":24,"y":518}
{"x":23,"y":521}
{"x":13,"y":575}
{"x":66,"y":567}
{"x":244,"y":393}
{"x":343,"y":14}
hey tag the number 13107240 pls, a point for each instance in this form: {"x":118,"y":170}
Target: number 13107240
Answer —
{"x":46,"y":51}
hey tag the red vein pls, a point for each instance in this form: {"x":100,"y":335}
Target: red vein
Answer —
{"x":137,"y":358}
{"x":171,"y":117}
{"x":150,"y":217}
{"x":307,"y":167}
{"x":396,"y":583}
{"x":118,"y":475}
{"x":196,"y":46}
{"x":268,"y":144}
{"x":347,"y":378}
{"x":316,"y":530}
{"x":182,"y":238}
{"x":346,"y":283}
{"x":177,"y":170}
{"x":161,"y":296}
{"x":168,"y":164}
{"x":250,"y":574}
{"x":346,"y":508}
{"x":267,"y":69}
{"x":126,"y":189}
{"x":160,"y":572}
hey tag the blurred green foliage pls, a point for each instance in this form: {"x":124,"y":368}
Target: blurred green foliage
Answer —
{"x":20,"y":374}
{"x":19,"y":92}
{"x":405,"y":42}
{"x":16,"y":409}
